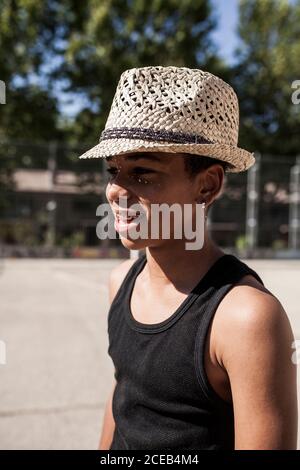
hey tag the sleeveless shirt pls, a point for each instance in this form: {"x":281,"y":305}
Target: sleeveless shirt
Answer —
{"x":163,"y":399}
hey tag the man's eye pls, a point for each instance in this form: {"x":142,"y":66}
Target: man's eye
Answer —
{"x":137,"y":173}
{"x":111,"y":171}
{"x":142,"y":170}
{"x":112,"y":174}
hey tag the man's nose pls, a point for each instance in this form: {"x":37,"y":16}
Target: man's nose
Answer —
{"x":116,"y":190}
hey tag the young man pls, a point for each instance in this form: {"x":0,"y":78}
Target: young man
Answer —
{"x":201,"y":348}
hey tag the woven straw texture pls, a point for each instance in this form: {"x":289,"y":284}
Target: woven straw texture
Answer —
{"x":175,"y":110}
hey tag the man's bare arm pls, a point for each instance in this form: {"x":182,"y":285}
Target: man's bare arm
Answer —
{"x":116,"y":277}
{"x":108,"y":425}
{"x":256,"y":353}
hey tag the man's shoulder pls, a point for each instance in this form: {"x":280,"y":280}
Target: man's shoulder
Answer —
{"x":253,"y":348}
{"x":248,"y":302}
{"x":248,"y":313}
{"x":246,"y":293}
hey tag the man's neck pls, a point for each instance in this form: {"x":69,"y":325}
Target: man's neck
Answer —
{"x":182,"y":268}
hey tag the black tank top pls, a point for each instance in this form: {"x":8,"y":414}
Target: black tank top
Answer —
{"x":163,"y":399}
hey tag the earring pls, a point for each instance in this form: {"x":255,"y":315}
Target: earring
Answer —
{"x":203,"y":204}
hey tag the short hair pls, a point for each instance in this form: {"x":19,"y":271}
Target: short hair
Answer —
{"x":196,"y":163}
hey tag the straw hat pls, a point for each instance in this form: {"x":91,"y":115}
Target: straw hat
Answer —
{"x":176,"y":110}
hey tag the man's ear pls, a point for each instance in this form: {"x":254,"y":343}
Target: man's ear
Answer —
{"x":210,"y":183}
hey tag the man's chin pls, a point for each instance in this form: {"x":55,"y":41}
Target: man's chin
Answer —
{"x":139,"y":244}
{"x":133,"y":244}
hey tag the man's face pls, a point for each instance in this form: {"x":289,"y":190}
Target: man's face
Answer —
{"x":145,"y":179}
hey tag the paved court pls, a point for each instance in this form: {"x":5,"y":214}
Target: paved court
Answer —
{"x":58,"y":374}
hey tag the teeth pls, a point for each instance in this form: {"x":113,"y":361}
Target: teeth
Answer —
{"x":126,"y":219}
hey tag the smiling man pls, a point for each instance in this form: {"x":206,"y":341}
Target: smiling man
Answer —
{"x":158,"y":180}
{"x":201,"y":348}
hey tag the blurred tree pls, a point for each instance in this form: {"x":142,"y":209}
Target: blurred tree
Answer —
{"x":267,"y":65}
{"x":28,"y":34}
{"x":113,"y":35}
{"x":51,"y":49}
{"x":31,"y":110}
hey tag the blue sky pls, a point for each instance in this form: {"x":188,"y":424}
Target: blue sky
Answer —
{"x":225,"y":35}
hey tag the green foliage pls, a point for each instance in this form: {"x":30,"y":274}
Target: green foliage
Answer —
{"x":27,"y":34}
{"x":73,"y":241}
{"x":83,"y":47}
{"x":49,"y":47}
{"x":117,"y":34}
{"x":267,"y":65}
{"x":241,"y":242}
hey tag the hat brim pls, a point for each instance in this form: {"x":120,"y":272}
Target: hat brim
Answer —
{"x":240,"y":159}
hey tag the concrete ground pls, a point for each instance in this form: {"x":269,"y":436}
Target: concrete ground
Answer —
{"x":58,"y":374}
